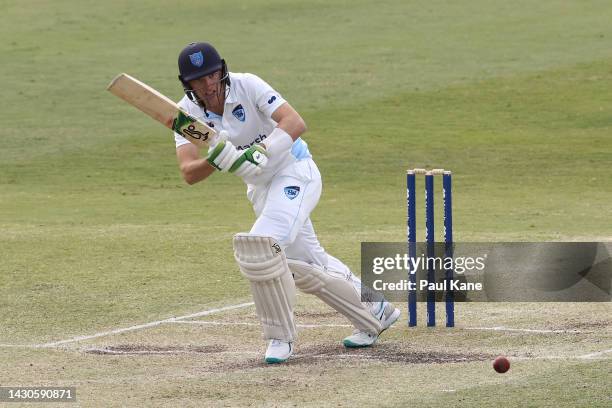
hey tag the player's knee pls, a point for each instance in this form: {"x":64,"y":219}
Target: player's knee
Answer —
{"x":258,"y":256}
{"x":305,"y":276}
{"x":312,"y":278}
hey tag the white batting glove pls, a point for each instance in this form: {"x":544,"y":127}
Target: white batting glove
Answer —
{"x":223,"y":154}
{"x":251,"y":162}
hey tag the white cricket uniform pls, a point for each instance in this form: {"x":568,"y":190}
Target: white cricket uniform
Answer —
{"x":289,"y":188}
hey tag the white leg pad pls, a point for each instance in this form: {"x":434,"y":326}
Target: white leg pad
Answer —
{"x":263,"y":263}
{"x":337,"y":290}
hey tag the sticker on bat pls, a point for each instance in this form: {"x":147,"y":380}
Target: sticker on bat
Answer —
{"x":187,"y":126}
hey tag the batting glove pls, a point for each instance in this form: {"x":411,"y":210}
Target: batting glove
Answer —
{"x":223,"y":154}
{"x":251,"y":162}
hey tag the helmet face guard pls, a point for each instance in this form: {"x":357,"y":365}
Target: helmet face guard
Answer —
{"x":197,"y":60}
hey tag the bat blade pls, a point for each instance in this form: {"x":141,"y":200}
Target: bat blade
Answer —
{"x":162,"y":109}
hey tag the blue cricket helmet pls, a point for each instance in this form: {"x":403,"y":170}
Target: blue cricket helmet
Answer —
{"x":199,"y":59}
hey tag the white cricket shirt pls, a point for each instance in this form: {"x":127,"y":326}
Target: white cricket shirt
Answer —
{"x":247,"y":117}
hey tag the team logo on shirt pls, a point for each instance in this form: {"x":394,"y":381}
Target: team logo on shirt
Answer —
{"x":272,"y":99}
{"x":239,"y":113}
{"x":197,"y":59}
{"x":292,"y":191}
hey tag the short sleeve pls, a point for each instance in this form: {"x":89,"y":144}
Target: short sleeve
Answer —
{"x":265,"y":97}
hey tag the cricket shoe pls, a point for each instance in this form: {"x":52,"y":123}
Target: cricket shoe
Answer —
{"x":387,"y":314}
{"x":278,"y":351}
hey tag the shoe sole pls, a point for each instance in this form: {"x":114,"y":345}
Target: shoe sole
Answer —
{"x":350,"y":344}
{"x":276,"y":360}
{"x":273,"y":360}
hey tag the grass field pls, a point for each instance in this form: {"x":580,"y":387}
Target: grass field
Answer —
{"x":98,"y":232}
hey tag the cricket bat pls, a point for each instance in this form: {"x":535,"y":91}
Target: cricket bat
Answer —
{"x":162,"y":109}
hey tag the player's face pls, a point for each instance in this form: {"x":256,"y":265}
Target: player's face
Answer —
{"x":209,"y":88}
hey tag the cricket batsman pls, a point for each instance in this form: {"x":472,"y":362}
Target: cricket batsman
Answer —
{"x":260,"y":142}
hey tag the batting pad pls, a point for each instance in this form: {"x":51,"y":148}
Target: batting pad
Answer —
{"x":337,"y":290}
{"x":263,"y":263}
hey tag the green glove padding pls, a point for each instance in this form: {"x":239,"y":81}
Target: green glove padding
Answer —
{"x":255,"y":154}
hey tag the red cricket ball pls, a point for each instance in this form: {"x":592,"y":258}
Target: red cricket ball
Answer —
{"x":501,"y":364}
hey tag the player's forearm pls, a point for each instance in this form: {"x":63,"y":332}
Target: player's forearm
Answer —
{"x":196,"y":170}
{"x":294,"y":125}
{"x":289,"y":121}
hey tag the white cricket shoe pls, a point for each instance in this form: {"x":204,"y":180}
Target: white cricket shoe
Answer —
{"x":388,"y":314}
{"x":278,"y":351}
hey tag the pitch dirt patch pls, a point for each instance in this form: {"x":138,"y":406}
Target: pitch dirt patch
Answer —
{"x":306,"y":356}
{"x":322,"y":354}
{"x":145,"y":349}
{"x":389,"y":352}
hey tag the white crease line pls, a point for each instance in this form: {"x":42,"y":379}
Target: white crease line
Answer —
{"x":502,"y":328}
{"x":595,"y":355}
{"x":527,"y":358}
{"x":131,"y":328}
{"x":203,"y":322}
{"x":161,"y":352}
{"x":314,"y":326}
{"x":213,"y":323}
{"x":590,"y":356}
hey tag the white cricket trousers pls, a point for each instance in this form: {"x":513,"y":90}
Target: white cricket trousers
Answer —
{"x":283,"y":210}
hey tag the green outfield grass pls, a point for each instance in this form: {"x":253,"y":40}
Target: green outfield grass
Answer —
{"x":98,"y":231}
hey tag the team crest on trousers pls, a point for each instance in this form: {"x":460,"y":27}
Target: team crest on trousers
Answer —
{"x":292,"y":191}
{"x":239,"y":113}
